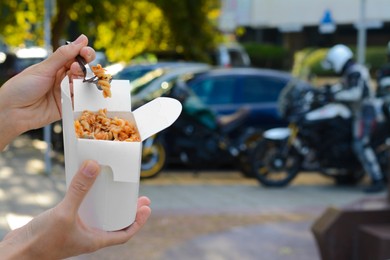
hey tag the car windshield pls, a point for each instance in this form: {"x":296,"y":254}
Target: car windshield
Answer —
{"x":132,"y":74}
{"x":141,"y":83}
{"x":136,"y":71}
{"x":157,"y":82}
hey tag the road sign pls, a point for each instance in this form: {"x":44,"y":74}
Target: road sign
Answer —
{"x":327,"y":24}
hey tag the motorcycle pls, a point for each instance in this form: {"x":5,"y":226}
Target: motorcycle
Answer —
{"x":318,"y":139}
{"x":199,"y":138}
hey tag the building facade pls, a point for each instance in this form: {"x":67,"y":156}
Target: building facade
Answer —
{"x":296,"y":24}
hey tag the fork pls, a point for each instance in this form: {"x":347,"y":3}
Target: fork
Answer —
{"x":89,"y":76}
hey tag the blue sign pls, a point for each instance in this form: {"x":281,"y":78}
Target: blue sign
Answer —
{"x":327,"y":24}
{"x":327,"y":18}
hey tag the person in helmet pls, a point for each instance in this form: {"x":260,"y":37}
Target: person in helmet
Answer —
{"x":354,"y":90}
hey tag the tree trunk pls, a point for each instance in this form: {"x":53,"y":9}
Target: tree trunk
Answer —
{"x":59,"y":24}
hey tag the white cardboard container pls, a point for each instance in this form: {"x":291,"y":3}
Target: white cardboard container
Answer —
{"x":111,"y":204}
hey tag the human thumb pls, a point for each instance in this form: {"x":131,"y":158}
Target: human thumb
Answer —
{"x":81,"y":184}
{"x":66,"y":53}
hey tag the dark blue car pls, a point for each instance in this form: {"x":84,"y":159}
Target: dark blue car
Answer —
{"x":226,"y":90}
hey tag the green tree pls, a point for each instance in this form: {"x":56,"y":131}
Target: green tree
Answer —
{"x":191,"y":24}
{"x":128,"y":33}
{"x":21,"y":21}
{"x":123,"y":28}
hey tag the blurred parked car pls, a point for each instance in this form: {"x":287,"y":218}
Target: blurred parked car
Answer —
{"x":11,"y":63}
{"x":154,"y":83}
{"x":227,"y":90}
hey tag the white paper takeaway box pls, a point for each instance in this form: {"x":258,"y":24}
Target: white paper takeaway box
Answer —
{"x":111,"y":204}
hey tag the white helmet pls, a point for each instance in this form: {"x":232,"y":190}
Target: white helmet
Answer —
{"x":337,"y":57}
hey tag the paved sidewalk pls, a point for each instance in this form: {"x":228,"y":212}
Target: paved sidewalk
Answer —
{"x":274,"y":241}
{"x":25,"y":190}
{"x":208,"y":216}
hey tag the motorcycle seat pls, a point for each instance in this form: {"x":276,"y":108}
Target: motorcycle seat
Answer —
{"x":228,"y":123}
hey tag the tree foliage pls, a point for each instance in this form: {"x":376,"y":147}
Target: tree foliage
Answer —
{"x":21,"y":22}
{"x":189,"y":19}
{"x":123,"y":28}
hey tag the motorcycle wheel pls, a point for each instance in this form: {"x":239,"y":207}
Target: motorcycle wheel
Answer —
{"x":153,"y":160}
{"x":270,"y":167}
{"x":244,"y":164}
{"x":244,"y":167}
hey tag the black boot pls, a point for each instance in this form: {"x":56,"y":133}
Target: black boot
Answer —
{"x":376,"y":186}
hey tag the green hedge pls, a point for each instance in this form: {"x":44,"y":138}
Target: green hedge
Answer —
{"x":375,"y":57}
{"x":267,"y":56}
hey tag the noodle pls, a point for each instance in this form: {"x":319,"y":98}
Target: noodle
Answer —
{"x":98,"y":126}
{"x":103,"y":79}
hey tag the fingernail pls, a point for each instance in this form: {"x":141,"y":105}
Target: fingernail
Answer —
{"x":90,"y":169}
{"x":89,"y":54}
{"x":79,"y":39}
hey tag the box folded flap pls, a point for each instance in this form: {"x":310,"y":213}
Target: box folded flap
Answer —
{"x":156,"y":115}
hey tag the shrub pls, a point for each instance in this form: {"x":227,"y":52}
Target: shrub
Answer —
{"x":375,"y":58}
{"x":267,"y":56}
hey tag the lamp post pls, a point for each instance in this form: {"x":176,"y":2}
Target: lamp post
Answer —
{"x":362,"y":36}
{"x":47,"y":38}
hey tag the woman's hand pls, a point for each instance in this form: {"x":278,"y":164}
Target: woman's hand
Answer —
{"x":59,"y":232}
{"x":32,"y":99}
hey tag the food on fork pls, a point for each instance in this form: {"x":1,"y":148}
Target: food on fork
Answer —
{"x":104,"y":79}
{"x":98,"y":126}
